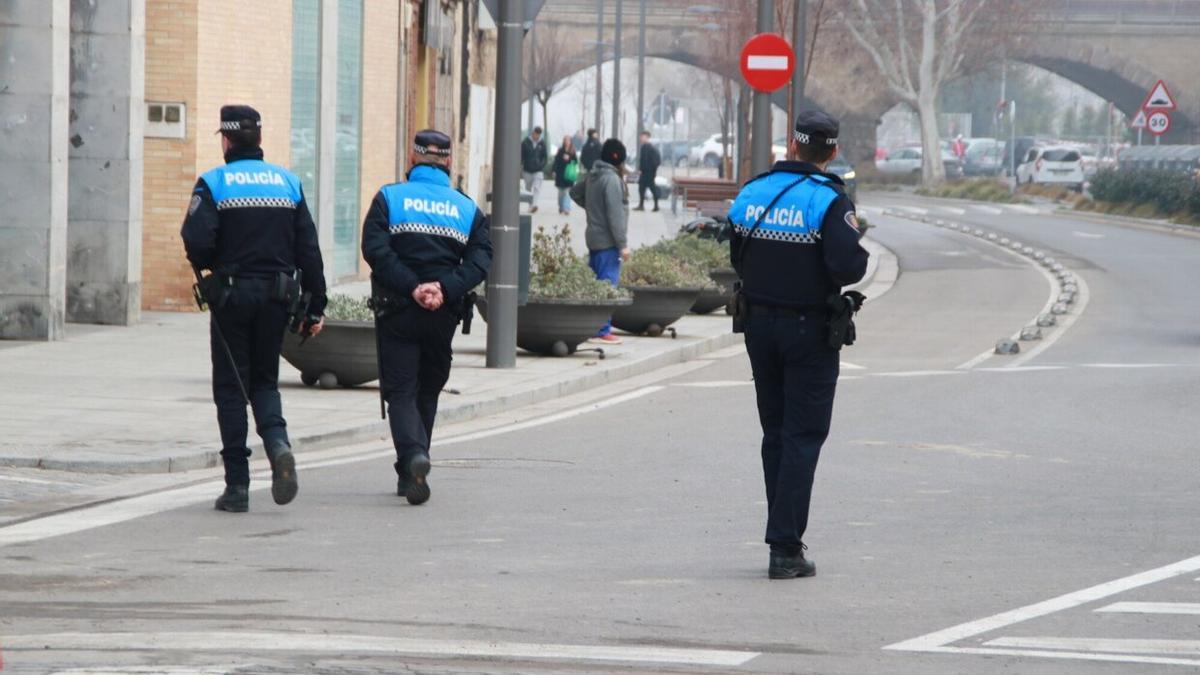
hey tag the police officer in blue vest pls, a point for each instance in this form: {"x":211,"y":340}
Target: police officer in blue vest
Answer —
{"x":795,"y":244}
{"x":428,"y":246}
{"x":248,"y":224}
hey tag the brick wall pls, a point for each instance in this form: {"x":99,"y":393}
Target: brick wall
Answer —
{"x":170,"y":165}
{"x":245,"y":56}
{"x":381,"y":29}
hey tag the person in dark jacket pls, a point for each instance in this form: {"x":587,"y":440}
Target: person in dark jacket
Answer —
{"x":248,"y":223}
{"x":795,"y":245}
{"x":533,"y":163}
{"x":605,"y":197}
{"x":562,"y":159}
{"x":649,"y":160}
{"x":427,"y":245}
{"x":590,"y":151}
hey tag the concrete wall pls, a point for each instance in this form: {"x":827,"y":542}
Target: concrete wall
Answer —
{"x":34,"y":77}
{"x":104,"y":232}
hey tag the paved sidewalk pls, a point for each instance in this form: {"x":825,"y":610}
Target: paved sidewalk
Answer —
{"x":138,"y":399}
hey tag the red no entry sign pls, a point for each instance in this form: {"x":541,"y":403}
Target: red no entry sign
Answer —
{"x":767,"y":62}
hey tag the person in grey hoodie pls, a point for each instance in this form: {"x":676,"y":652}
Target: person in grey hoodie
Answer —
{"x":605,"y":197}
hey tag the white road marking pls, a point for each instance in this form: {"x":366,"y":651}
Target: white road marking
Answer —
{"x":308,"y":643}
{"x":987,"y":209}
{"x":1022,"y":208}
{"x":151,"y":670}
{"x":1088,"y":235}
{"x":917,"y":373}
{"x":1085,"y":656}
{"x":109,"y":513}
{"x":852,"y":366}
{"x":1153,"y":607}
{"x":1065,"y":321}
{"x":938,"y":640}
{"x":1110,"y":645}
{"x":36,"y":481}
{"x":953,"y":209}
{"x":1127,"y":365}
{"x":915,"y":209}
{"x":1020,"y":369}
{"x":716,"y":384}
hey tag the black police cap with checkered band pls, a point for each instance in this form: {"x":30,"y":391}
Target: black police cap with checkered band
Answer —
{"x":239,"y":118}
{"x":814,"y":127}
{"x":431,"y":142}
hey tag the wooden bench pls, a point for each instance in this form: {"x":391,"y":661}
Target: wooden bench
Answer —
{"x":708,"y":196}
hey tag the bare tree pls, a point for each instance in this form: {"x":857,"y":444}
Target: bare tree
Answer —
{"x":548,"y":63}
{"x":918,"y":45}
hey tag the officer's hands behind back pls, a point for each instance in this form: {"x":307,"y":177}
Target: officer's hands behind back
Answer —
{"x":429,"y":295}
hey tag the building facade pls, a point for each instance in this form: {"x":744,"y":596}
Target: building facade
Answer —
{"x":122,"y":99}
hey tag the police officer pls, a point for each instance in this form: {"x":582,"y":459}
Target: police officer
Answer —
{"x":249,"y":225}
{"x":795,"y":243}
{"x":428,"y":245}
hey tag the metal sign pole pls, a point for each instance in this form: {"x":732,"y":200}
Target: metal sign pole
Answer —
{"x":616,"y":92}
{"x":760,"y":134}
{"x":502,"y":282}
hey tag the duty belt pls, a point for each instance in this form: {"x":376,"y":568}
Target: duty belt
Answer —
{"x":773,"y":310}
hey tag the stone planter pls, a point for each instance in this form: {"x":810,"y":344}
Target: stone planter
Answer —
{"x":654,"y":308}
{"x":712,"y":299}
{"x":342,"y":355}
{"x":558,"y":327}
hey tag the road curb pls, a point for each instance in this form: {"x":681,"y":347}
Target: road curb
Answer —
{"x":467,"y":409}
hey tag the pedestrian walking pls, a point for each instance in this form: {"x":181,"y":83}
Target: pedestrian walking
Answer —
{"x":566,"y":171}
{"x":795,"y":244}
{"x":590,"y":150}
{"x":533,"y":163}
{"x":427,"y":245}
{"x":605,"y":197}
{"x":649,"y":159}
{"x":249,"y":225}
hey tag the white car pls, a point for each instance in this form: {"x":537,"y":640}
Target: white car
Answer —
{"x":709,"y":151}
{"x":908,"y":161}
{"x":1056,"y":165}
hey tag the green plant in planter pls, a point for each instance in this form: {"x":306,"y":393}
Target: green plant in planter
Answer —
{"x":702,"y":253}
{"x":559,"y":274}
{"x":348,"y":308}
{"x":652,"y":266}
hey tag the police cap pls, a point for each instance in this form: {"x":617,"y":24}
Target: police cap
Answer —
{"x":431,"y":142}
{"x":814,"y":127}
{"x":239,"y":118}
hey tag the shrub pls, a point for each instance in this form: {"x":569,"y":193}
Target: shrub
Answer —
{"x":348,"y":308}
{"x":976,"y":189}
{"x":702,"y":253}
{"x":652,"y":266}
{"x":1153,"y":191}
{"x":559,"y":274}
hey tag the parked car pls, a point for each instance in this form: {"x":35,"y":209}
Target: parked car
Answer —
{"x":908,"y":160}
{"x":674,"y":152}
{"x":1055,"y":165}
{"x":840,"y":167}
{"x":709,"y":151}
{"x":1019,"y":148}
{"x":985,"y":157}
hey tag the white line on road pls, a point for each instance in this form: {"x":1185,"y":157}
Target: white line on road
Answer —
{"x":1065,"y":321}
{"x":36,"y":481}
{"x":1110,"y":645}
{"x":109,"y":513}
{"x":941,"y":638}
{"x":914,"y":209}
{"x":987,"y":209}
{"x":308,"y":643}
{"x":1153,"y":607}
{"x":1022,"y":208}
{"x":1128,"y":365}
{"x":1088,"y":235}
{"x":917,"y":373}
{"x":716,"y":384}
{"x":852,"y":366}
{"x":1086,"y":656}
{"x":953,"y":209}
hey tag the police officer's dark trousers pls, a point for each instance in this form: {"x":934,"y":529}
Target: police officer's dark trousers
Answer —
{"x":254,"y":326}
{"x":414,"y":361}
{"x":795,"y":374}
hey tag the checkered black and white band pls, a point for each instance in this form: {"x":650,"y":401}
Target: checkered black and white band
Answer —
{"x":236,"y":126}
{"x":426,"y":150}
{"x":256,"y":203}
{"x":771,"y":235}
{"x":805,"y":139}
{"x":424,"y":228}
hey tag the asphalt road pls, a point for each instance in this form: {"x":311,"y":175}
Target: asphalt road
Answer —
{"x":621,"y":530}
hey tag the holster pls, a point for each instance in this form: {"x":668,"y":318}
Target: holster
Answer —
{"x":383,"y":302}
{"x":467,"y":311}
{"x":842,"y":307}
{"x":741,"y":308}
{"x":212,"y":291}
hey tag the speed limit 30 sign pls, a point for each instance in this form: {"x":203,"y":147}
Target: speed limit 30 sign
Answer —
{"x":1158,"y":122}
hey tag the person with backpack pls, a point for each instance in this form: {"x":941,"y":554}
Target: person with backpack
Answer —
{"x":566,"y":171}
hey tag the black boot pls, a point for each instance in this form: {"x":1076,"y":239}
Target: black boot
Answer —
{"x":284,"y":485}
{"x":790,"y":565}
{"x":236,"y":499}
{"x":415,"y":486}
